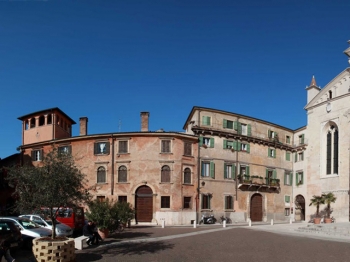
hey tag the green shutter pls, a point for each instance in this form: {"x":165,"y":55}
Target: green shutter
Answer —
{"x":233,"y":175}
{"x":235,"y":146}
{"x":225,"y":170}
{"x":202,"y":171}
{"x":291,"y":178}
{"x":274,"y":173}
{"x":274,"y":153}
{"x":287,"y":156}
{"x":287,"y":199}
{"x":247,"y":170}
{"x":200,"y":141}
{"x":225,"y":123}
{"x":296,"y":178}
{"x":285,"y":178}
{"x":212,"y":170}
{"x":209,"y":200}
{"x":225,"y":143}
{"x":239,"y":128}
{"x":248,"y":148}
{"x":235,"y":125}
{"x":211,"y":142}
{"x":268,"y":151}
{"x":302,"y":138}
{"x":249,"y":130}
{"x":225,"y":201}
{"x":295,"y":157}
{"x":239,"y":147}
{"x":302,"y":178}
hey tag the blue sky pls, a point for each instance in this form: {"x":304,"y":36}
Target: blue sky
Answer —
{"x":110,"y":60}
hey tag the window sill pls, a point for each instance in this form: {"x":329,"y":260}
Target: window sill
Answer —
{"x":101,"y":154}
{"x":166,"y":183}
{"x":165,"y":208}
{"x":206,"y":210}
{"x":329,"y":176}
{"x":188,"y":156}
{"x":187,"y":184}
{"x":229,"y":210}
{"x":123,"y":183}
{"x":124,"y":153}
{"x":166,"y":153}
{"x":102,"y":183}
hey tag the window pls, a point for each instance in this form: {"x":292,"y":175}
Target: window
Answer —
{"x":165,"y":202}
{"x":165,"y":174}
{"x":287,"y":199}
{"x":301,"y":156}
{"x":208,"y":169}
{"x":244,"y":129}
{"x":228,"y":144}
{"x":101,"y":198}
{"x":123,"y":147}
{"x":244,"y":147}
{"x":330,"y":94}
{"x":187,"y":176}
{"x":101,"y":175}
{"x":271,"y":176}
{"x":37,"y":155}
{"x":187,"y":149}
{"x":244,"y":170}
{"x":206,"y":201}
{"x":287,"y":211}
{"x":32,"y":122}
{"x":228,"y":202}
{"x":288,"y":156}
{"x":301,"y":139}
{"x":299,"y":178}
{"x":272,"y":134}
{"x":41,"y":120}
{"x":288,"y":139}
{"x":64,"y":150}
{"x":332,"y":152}
{"x":49,"y":119}
{"x":228,"y":124}
{"x":122,"y":174}
{"x":187,"y":202}
{"x":166,"y":146}
{"x":272,"y":152}
{"x":288,"y":178}
{"x":228,"y":171}
{"x":101,"y":148}
{"x":122,"y":198}
{"x":206,"y":141}
{"x":206,"y":120}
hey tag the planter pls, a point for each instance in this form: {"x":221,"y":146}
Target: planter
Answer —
{"x":103,"y":233}
{"x":54,"y":250}
{"x":328,"y":220}
{"x":317,"y":220}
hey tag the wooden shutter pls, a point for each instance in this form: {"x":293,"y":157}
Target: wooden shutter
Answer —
{"x":225,"y":143}
{"x":200,"y":141}
{"x":235,"y":125}
{"x":295,"y":157}
{"x":235,"y":146}
{"x":239,"y":146}
{"x":248,"y":148}
{"x":249,"y":130}
{"x":212,"y":142}
{"x":212,"y":169}
{"x":225,"y":170}
{"x":274,"y":173}
{"x":291,"y":178}
{"x":274,"y":153}
{"x":287,"y":156}
{"x":233,"y":171}
{"x":247,"y":171}
{"x":302,"y":139}
{"x":239,"y":128}
{"x":224,"y":123}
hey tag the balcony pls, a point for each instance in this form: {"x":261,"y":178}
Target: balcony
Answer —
{"x":258,"y":183}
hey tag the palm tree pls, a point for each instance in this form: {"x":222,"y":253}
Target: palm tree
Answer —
{"x":317,"y":201}
{"x":329,"y":198}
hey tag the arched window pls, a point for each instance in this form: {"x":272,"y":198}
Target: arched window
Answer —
{"x":101,"y":175}
{"x":32,"y":122}
{"x":49,"y":119}
{"x":330,"y":94}
{"x":122,"y":174}
{"x":187,"y":176}
{"x":332,"y":150}
{"x":41,"y":120}
{"x":165,"y":177}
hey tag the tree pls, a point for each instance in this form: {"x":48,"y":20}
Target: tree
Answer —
{"x":56,"y":183}
{"x":317,"y":201}
{"x":329,"y":198}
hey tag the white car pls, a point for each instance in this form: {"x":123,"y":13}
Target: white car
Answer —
{"x":29,"y":229}
{"x":61,"y":229}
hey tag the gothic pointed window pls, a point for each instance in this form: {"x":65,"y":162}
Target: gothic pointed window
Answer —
{"x":332,"y":150}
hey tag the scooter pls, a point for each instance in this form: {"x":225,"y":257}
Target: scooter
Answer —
{"x":207,"y":219}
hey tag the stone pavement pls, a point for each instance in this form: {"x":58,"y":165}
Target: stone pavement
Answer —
{"x":143,"y":234}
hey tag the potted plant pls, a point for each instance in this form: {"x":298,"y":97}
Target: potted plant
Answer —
{"x":317,"y":201}
{"x":100,"y":212}
{"x":125,"y":212}
{"x":329,"y":198}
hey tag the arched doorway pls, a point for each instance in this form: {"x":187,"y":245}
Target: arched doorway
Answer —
{"x":299,"y":208}
{"x":144,"y":204}
{"x":256,"y":208}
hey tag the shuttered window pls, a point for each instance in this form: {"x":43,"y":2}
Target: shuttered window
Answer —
{"x":299,"y":178}
{"x":123,"y":147}
{"x":208,"y":169}
{"x":165,"y":176}
{"x":288,"y":178}
{"x":122,"y":174}
{"x":187,"y":202}
{"x":101,"y":175}
{"x":37,"y":155}
{"x":101,"y":148}
{"x":206,"y":120}
{"x":206,"y":141}
{"x":165,"y":202}
{"x":287,"y":199}
{"x":64,"y":149}
{"x":206,"y":201}
{"x":187,"y":149}
{"x":187,"y":175}
{"x":228,"y":202}
{"x":166,"y":146}
{"x":288,"y":156}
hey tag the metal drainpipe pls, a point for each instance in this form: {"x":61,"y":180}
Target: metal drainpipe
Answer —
{"x":112,"y":175}
{"x":198,"y":174}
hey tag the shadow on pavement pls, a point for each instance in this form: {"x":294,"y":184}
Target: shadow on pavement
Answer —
{"x":124,"y":250}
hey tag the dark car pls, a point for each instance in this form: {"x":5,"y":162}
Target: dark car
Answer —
{"x":9,"y":231}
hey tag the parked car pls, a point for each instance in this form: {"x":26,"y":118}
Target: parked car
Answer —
{"x":29,"y":229}
{"x":61,"y":229}
{"x":9,"y":232}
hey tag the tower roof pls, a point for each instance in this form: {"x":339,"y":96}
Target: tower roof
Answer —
{"x":313,"y":81}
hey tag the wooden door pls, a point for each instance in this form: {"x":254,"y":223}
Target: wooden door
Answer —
{"x":144,"y":204}
{"x":256,"y":211}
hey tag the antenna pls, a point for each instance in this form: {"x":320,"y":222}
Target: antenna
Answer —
{"x":119,"y":125}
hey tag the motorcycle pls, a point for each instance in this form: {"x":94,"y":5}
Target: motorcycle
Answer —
{"x":227,"y":219}
{"x":207,"y":219}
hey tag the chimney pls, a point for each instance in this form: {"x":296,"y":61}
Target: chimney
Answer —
{"x":83,"y":126}
{"x":144,"y":121}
